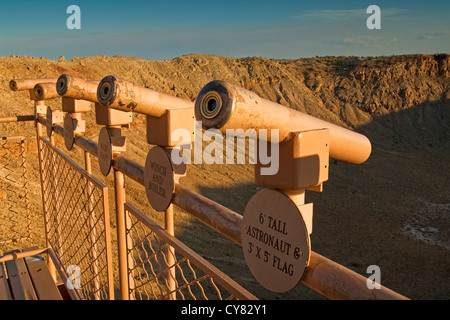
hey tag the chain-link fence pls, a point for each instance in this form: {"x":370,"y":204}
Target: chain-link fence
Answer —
{"x":160,"y":267}
{"x":15,"y":214}
{"x":77,"y":222}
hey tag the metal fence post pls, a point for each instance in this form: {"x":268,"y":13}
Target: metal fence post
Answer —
{"x":41,"y":104}
{"x":92,"y":219}
{"x":119,"y":188}
{"x":169,"y":226}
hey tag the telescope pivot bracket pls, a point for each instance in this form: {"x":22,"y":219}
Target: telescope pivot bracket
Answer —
{"x":110,"y":142}
{"x":40,"y":107}
{"x":53,"y":117}
{"x":110,"y":139}
{"x":303,"y":162}
{"x":73,"y":121}
{"x":40,"y":110}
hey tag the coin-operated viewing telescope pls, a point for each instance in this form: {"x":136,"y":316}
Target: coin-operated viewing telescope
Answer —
{"x":69,"y":86}
{"x":277,"y":222}
{"x":225,"y":106}
{"x":28,"y":84}
{"x":40,"y":108}
{"x":46,"y":91}
{"x":77,"y":95}
{"x":165,"y":114}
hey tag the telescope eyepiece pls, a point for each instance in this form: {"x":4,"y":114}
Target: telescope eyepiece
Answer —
{"x":106,"y":92}
{"x":210,"y":105}
{"x":62,"y":85}
{"x":13,"y":85}
{"x":38,"y":92}
{"x":214,"y":104}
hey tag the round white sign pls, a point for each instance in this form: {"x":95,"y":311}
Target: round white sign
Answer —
{"x":275,"y":240}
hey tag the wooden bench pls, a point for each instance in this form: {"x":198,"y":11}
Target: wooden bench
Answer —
{"x":27,"y":278}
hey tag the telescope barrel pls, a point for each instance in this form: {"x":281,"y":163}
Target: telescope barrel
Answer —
{"x":28,"y":84}
{"x":77,"y":88}
{"x":124,"y":95}
{"x":46,"y":91}
{"x":225,"y":106}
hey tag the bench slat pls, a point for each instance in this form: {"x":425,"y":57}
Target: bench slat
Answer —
{"x":5,"y":293}
{"x":44,"y":285}
{"x":19,"y":280}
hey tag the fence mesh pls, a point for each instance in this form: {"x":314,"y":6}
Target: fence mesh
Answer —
{"x":160,"y":267}
{"x":14,"y":192}
{"x":76,"y":213}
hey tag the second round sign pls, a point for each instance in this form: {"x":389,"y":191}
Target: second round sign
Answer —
{"x":105,"y":152}
{"x":159,"y":179}
{"x":49,"y":122}
{"x":68,"y":131}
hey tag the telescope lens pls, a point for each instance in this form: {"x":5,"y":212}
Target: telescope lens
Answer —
{"x":211,"y":105}
{"x":61,"y":83}
{"x":13,"y":85}
{"x":105,"y":90}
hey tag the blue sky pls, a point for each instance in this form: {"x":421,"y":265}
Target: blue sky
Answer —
{"x":163,"y":30}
